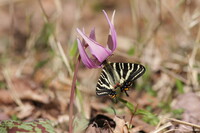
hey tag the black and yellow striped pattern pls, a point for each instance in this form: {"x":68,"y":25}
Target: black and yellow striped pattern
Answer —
{"x":116,"y":75}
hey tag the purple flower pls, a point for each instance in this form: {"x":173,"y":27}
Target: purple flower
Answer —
{"x":98,"y":52}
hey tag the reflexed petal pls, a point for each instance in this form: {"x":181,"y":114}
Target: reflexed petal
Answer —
{"x":96,"y":49}
{"x":92,"y":34}
{"x":113,"y":16}
{"x":111,"y":44}
{"x":83,"y":41}
{"x":84,"y":57}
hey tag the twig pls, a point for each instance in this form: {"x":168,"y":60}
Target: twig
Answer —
{"x":176,"y":18}
{"x":66,"y":62}
{"x":192,"y":73}
{"x":156,"y":28}
{"x":162,"y":127}
{"x":136,"y":13}
{"x":174,"y":75}
{"x":72,"y":96}
{"x":12,"y":89}
{"x":43,"y":11}
{"x":59,"y":48}
{"x":184,"y":123}
{"x":173,"y":130}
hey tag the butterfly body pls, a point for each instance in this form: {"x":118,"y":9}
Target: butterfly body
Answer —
{"x":118,"y":75}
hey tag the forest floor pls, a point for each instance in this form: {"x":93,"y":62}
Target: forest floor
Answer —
{"x":38,"y":55}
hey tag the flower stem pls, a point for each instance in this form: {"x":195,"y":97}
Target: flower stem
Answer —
{"x":71,"y":109}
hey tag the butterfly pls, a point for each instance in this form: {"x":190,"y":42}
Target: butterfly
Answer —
{"x":118,"y":75}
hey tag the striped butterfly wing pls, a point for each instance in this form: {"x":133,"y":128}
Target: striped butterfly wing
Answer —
{"x":107,"y":80}
{"x":117,"y":75}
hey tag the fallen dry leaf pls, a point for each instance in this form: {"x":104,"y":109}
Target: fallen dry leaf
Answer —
{"x":5,"y":97}
{"x":25,"y":89}
{"x":25,"y":110}
{"x":120,"y":125}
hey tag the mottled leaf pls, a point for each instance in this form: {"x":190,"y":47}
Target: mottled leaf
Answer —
{"x":36,"y":126}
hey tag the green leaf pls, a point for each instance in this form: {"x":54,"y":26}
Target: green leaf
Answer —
{"x":2,"y":84}
{"x":198,"y":77}
{"x":80,"y":100}
{"x":179,"y":86}
{"x":41,"y":63}
{"x":14,"y":117}
{"x":98,"y":6}
{"x":80,"y":124}
{"x":147,"y":74}
{"x":150,"y":90}
{"x":36,"y":126}
{"x":177,"y":112}
{"x":110,"y":110}
{"x":129,"y":105}
{"x":131,"y":51}
{"x":43,"y":40}
{"x":146,"y":115}
{"x":165,"y":106}
{"x":73,"y":49}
